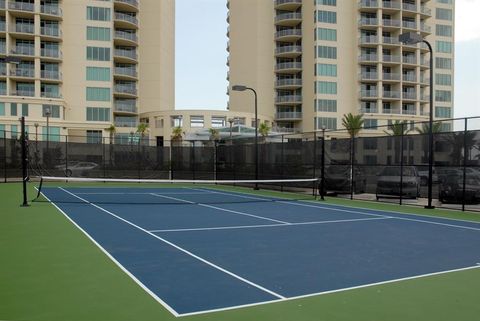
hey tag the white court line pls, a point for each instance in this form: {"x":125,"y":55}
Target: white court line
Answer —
{"x":145,"y":193}
{"x":133,"y":277}
{"x":369,"y":214}
{"x":180,"y":248}
{"x":268,"y":225}
{"x":220,"y":209}
{"x":333,"y":291}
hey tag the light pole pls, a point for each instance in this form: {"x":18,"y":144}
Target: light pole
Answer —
{"x":231,"y":120}
{"x":322,"y":181}
{"x":243,"y":88}
{"x":48,"y":113}
{"x":414,"y":38}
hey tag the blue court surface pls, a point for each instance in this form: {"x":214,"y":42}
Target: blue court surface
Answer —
{"x":197,"y":250}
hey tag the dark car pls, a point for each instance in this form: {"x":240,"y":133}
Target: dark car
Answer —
{"x":451,"y":189}
{"x":390,"y":180}
{"x":338,"y":180}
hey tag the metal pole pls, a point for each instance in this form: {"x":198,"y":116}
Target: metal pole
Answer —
{"x":322,"y":182}
{"x":104,"y":155}
{"x":192,"y":159}
{"x":352,"y":164}
{"x":314,"y":161}
{"x":283,"y":162}
{"x":24,"y":163}
{"x":5,"y":155}
{"x":430,"y":132}
{"x":66,"y":155}
{"x":465,"y":155}
{"x":401,"y":163}
{"x":256,"y":137}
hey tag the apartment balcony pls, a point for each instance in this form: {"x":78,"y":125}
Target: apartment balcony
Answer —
{"x":120,"y":72}
{"x":390,"y":41}
{"x":125,"y":107}
{"x":51,"y":53}
{"x":391,"y":94}
{"x":126,"y":123}
{"x":288,"y":67}
{"x":368,"y":58}
{"x":49,"y":32}
{"x":288,"y":5}
{"x":424,"y":81}
{"x":391,"y":5}
{"x":427,"y":12}
{"x":288,"y":100}
{"x":409,"y":25}
{"x":409,"y":78}
{"x":21,"y":6}
{"x":51,"y":75}
{"x":288,"y":83}
{"x":125,"y":90}
{"x":288,"y":19}
{"x":368,"y":4}
{"x":424,"y":63}
{"x":410,"y":60}
{"x":288,"y":35}
{"x":3,"y":26}
{"x":366,"y":22}
{"x":50,"y":94}
{"x":23,"y":73}
{"x":286,"y":130}
{"x":391,"y":59}
{"x":425,"y":28}
{"x":372,"y":93}
{"x":23,"y":92}
{"x":391,"y":111}
{"x":425,"y":98}
{"x":125,"y":38}
{"x":365,"y":40}
{"x":126,"y":5}
{"x":390,"y":76}
{"x":2,"y":5}
{"x":373,"y":75}
{"x":24,"y":28}
{"x":125,"y":20}
{"x":409,"y":7}
{"x":288,"y":51}
{"x":53,"y":11}
{"x":24,"y":51}
{"x":3,"y":70}
{"x":409,"y":111}
{"x":125,"y":55}
{"x":294,"y":115}
{"x":409,"y":95}
{"x":394,"y":23}
{"x":369,"y":110}
{"x":3,"y":49}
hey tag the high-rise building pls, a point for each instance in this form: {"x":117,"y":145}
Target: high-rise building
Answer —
{"x":84,"y":64}
{"x":312,"y":61}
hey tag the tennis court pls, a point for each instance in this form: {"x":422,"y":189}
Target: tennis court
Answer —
{"x":201,"y":249}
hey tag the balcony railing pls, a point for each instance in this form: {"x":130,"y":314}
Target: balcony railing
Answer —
{"x":410,"y":77}
{"x":369,"y":93}
{"x":290,"y":99}
{"x":390,"y":58}
{"x":289,"y":82}
{"x":425,"y":28}
{"x":368,"y":39}
{"x":132,"y":54}
{"x":24,"y":92}
{"x":391,"y":23}
{"x":391,"y":76}
{"x":391,"y":40}
{"x":286,"y":130}
{"x":125,"y":71}
{"x":49,"y":31}
{"x":25,"y":28}
{"x":3,"y":70}
{"x":409,"y":111}
{"x":409,"y":7}
{"x":288,"y":115}
{"x":3,"y":26}
{"x":128,"y":107}
{"x":23,"y":72}
{"x":289,"y":33}
{"x":288,"y":49}
{"x":369,"y":110}
{"x":288,"y":16}
{"x":24,"y":50}
{"x":391,"y":94}
{"x":126,"y":123}
{"x":288,"y":65}
{"x":368,"y":22}
{"x":368,"y":57}
{"x":426,"y":11}
{"x":391,"y":111}
{"x":2,"y":4}
{"x":53,"y":10}
{"x":409,"y":95}
{"x":369,"y":75}
{"x":133,"y":3}
{"x":391,"y":4}
{"x":409,"y":60}
{"x":281,"y":2}
{"x":51,"y":74}
{"x":131,"y":36}
{"x":125,"y":90}
{"x":51,"y":53}
{"x":125,"y":17}
{"x":51,"y":94}
{"x":409,"y":24}
{"x":3,"y":48}
{"x":368,"y":4}
{"x":21,"y":6}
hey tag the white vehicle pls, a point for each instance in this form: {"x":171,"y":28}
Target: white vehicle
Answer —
{"x":79,"y":168}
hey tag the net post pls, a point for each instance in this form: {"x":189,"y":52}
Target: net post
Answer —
{"x":465,"y":155}
{"x":39,"y":189}
{"x":24,"y":162}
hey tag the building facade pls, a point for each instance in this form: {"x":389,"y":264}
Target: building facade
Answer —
{"x":84,"y":65}
{"x":312,"y":61}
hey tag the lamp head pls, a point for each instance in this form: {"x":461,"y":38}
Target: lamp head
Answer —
{"x":239,"y":88}
{"x":410,"y":38}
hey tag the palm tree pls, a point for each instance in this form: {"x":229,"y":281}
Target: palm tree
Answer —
{"x":353,"y":124}
{"x":111,"y":132}
{"x":398,"y":128}
{"x":264,"y":129}
{"x":177,"y":133}
{"x":142,"y":129}
{"x":214,"y":134}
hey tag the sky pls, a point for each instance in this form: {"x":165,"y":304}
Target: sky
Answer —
{"x":201,"y":55}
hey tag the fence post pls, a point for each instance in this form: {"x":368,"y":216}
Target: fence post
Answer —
{"x":465,"y":156}
{"x":215,"y":159}
{"x":170,"y":160}
{"x":104,"y":154}
{"x":192,"y":159}
{"x":401,"y":162}
{"x":352,"y":165}
{"x":282,"y":162}
{"x":24,"y":162}
{"x":314,"y":160}
{"x":322,"y":182}
{"x":66,"y":155}
{"x":5,"y":155}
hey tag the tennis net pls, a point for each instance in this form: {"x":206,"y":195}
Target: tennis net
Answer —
{"x":178,"y":192}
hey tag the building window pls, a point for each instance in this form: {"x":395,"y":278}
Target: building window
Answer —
{"x":158,"y":122}
{"x":443,"y":112}
{"x":196,"y":121}
{"x":325,"y":87}
{"x":443,"y":63}
{"x":443,"y":95}
{"x":327,"y":122}
{"x":326,"y":2}
{"x":98,"y":94}
{"x":177,"y":121}
{"x":327,"y":70}
{"x":443,"y":30}
{"x":370,"y":124}
{"x":98,"y":114}
{"x":98,"y":74}
{"x":443,"y":14}
{"x":98,"y":33}
{"x":98,"y":54}
{"x":54,"y":111}
{"x":98,"y":14}
{"x":218,"y":121}
{"x":326,"y":34}
{"x":326,"y":16}
{"x":444,"y":46}
{"x":2,"y":109}
{"x":94,"y":136}
{"x":325,"y":105}
{"x":443,"y":79}
{"x":53,"y":134}
{"x":25,"y":110}
{"x":326,"y":52}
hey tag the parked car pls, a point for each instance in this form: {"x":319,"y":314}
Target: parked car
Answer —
{"x":78,"y":168}
{"x":451,"y":189}
{"x":388,"y":182}
{"x":424,"y":176}
{"x":337,"y":180}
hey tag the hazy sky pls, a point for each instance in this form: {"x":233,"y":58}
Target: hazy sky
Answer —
{"x":201,"y":55}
